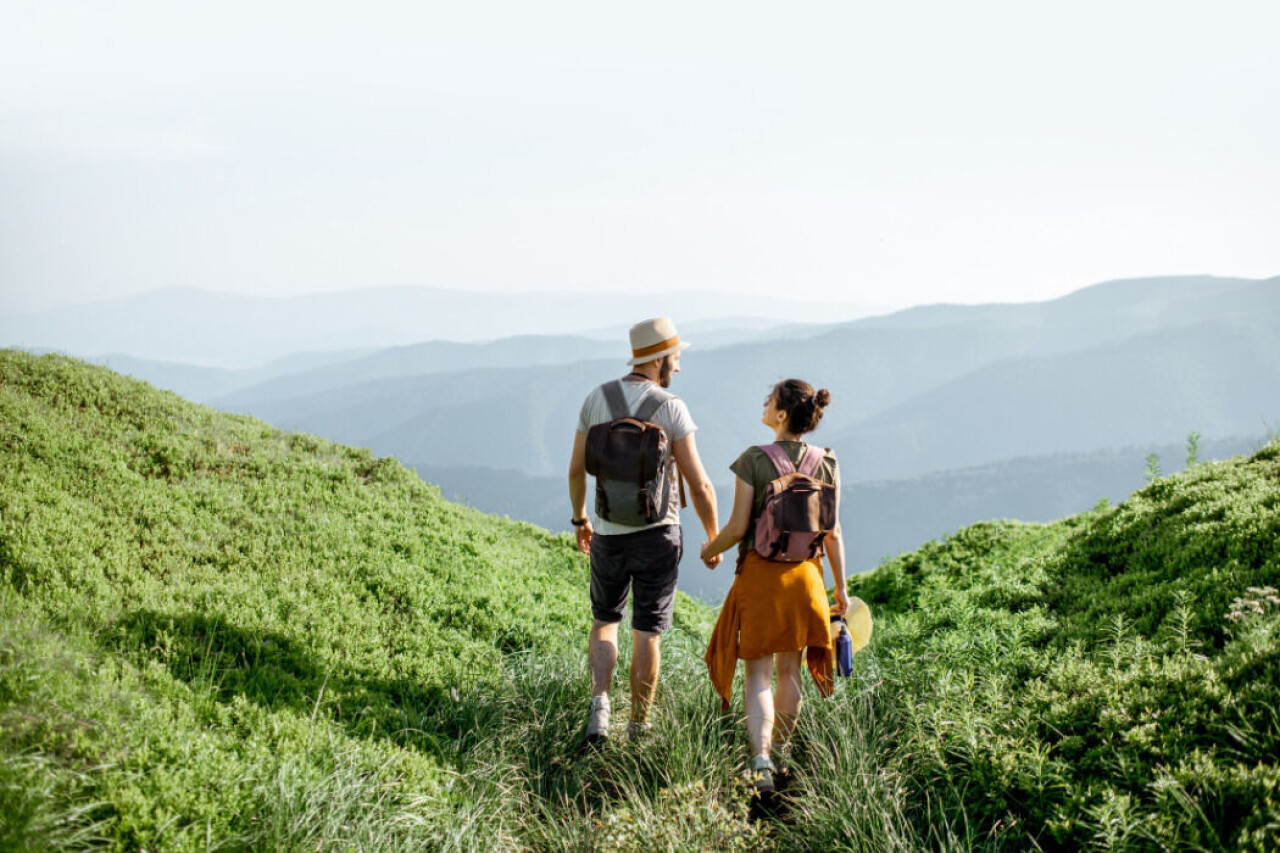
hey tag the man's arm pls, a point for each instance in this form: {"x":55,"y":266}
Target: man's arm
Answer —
{"x":578,"y":491}
{"x":701,"y":492}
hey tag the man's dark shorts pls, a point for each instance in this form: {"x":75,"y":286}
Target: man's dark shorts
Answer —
{"x":646,"y":563}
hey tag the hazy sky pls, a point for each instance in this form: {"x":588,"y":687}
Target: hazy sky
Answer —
{"x":888,"y":153}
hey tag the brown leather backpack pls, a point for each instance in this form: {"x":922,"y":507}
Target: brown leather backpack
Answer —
{"x":627,"y":457}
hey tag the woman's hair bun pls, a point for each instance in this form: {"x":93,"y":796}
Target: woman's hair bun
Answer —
{"x":802,"y":404}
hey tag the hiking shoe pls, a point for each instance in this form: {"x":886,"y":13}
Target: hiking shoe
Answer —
{"x":762,"y":774}
{"x":598,"y":720}
{"x":637,"y":730}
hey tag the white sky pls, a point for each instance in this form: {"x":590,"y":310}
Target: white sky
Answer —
{"x":887,"y":153}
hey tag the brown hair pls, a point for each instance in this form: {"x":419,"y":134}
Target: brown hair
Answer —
{"x":802,"y":404}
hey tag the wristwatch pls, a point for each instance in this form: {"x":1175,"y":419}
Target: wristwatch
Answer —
{"x":578,"y":522}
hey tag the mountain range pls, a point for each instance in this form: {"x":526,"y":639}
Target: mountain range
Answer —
{"x":237,"y":331}
{"x":1123,"y":364}
{"x":941,"y":416}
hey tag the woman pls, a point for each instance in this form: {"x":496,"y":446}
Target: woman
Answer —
{"x":775,"y":611}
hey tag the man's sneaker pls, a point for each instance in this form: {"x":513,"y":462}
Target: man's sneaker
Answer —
{"x":762,"y":774}
{"x":598,"y":720}
{"x":637,"y":730}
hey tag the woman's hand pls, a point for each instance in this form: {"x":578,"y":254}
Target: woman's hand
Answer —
{"x":842,"y":602}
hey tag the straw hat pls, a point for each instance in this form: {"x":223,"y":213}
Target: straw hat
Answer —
{"x":858,"y":616}
{"x":652,"y":339}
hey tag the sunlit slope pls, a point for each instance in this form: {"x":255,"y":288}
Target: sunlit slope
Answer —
{"x":1111,"y":679}
{"x":120,"y":499}
{"x":194,"y":602}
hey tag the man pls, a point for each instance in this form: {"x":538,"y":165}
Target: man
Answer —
{"x":643,"y":560}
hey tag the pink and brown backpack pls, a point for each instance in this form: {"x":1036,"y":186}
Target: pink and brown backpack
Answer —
{"x":799,"y":509}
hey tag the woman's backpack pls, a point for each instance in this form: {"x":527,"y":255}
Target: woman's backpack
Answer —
{"x":799,"y":509}
{"x":626,"y":457}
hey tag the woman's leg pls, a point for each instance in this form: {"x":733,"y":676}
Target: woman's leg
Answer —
{"x":788,"y":696}
{"x":759,"y":696}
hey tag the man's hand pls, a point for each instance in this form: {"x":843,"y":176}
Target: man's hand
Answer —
{"x":711,"y":562}
{"x":583,"y":532}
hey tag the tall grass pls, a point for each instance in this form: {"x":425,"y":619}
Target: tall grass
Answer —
{"x":217,"y":636}
{"x":534,"y":784}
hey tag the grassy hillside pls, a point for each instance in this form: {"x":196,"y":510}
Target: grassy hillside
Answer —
{"x":1111,"y":680}
{"x":217,"y":635}
{"x":203,"y":614}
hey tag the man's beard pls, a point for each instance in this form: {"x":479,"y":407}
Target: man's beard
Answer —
{"x":665,"y":373}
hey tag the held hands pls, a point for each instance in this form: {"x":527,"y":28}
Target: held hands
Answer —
{"x":709,"y":562}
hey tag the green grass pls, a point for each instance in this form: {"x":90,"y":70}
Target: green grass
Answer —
{"x":205,"y":617}
{"x":1085,"y":682}
{"x":216,"y":635}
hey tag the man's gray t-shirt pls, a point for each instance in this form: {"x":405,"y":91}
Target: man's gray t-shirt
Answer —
{"x":674,"y":418}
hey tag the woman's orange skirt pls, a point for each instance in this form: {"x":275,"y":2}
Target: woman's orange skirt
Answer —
{"x":772,"y":607}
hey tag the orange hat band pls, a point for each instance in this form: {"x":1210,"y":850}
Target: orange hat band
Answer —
{"x":656,"y":348}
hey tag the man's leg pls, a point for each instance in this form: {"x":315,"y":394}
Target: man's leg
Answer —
{"x":646,"y":661}
{"x":655,"y":558}
{"x":603,"y":650}
{"x":609,"y":588}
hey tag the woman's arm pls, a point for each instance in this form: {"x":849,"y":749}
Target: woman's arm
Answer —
{"x":743,"y":496}
{"x":834,"y":543}
{"x":835,"y":554}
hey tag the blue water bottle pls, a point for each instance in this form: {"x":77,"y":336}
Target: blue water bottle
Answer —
{"x":844,"y":648}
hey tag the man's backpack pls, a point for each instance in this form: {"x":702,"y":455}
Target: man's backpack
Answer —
{"x":626,"y":456}
{"x":799,"y":510}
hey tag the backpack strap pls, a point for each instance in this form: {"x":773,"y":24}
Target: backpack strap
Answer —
{"x":779,"y":458}
{"x":653,"y":400}
{"x":616,"y":400}
{"x":812,"y":460}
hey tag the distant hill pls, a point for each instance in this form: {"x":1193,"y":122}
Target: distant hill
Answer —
{"x":247,"y":387}
{"x":202,"y":384}
{"x":947,"y":387}
{"x":424,"y":359}
{"x":1218,"y":377}
{"x":882,"y":518}
{"x":238,"y":331}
